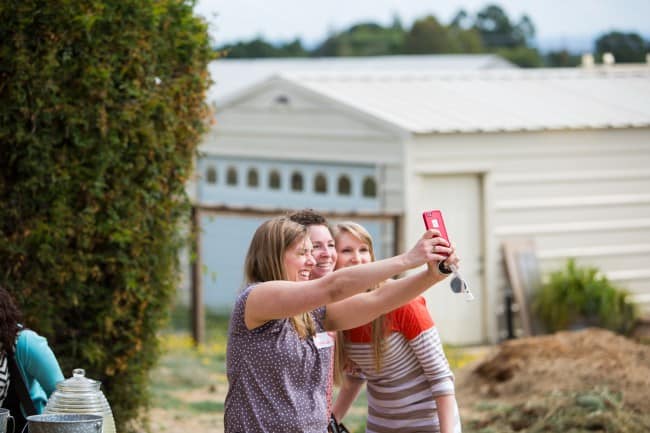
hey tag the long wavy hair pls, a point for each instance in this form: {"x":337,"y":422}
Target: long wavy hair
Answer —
{"x":378,"y":325}
{"x":10,"y":317}
{"x":265,"y":260}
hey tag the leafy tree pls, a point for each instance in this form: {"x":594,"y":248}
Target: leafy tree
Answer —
{"x":511,"y":41}
{"x":497,"y":31}
{"x":561,"y":58}
{"x":524,"y":30}
{"x":260,"y":48}
{"x":293,"y":49}
{"x":463,"y":36}
{"x":461,"y":20}
{"x":626,"y":47}
{"x":489,"y":30}
{"x":522,"y":56}
{"x":427,"y":36}
{"x":397,"y":23}
{"x":101,"y":110}
{"x":365,"y":39}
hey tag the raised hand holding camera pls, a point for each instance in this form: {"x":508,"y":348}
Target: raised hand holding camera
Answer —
{"x":433,"y":220}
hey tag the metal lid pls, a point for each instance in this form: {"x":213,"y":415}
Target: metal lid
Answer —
{"x":79,"y":383}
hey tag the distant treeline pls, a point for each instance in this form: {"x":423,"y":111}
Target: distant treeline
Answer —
{"x":488,"y":31}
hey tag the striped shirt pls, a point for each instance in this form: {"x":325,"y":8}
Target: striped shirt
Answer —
{"x":4,"y":376}
{"x":414,"y":372}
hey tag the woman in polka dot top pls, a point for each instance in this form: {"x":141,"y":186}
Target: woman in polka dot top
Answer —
{"x":279,"y":349}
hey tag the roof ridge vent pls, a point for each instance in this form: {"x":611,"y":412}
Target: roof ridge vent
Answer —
{"x":608,"y":59}
{"x":587,"y":60}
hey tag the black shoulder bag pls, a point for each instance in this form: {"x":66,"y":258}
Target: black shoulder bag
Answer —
{"x":20,"y":390}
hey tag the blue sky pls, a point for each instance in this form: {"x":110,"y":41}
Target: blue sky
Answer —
{"x":558,"y":22}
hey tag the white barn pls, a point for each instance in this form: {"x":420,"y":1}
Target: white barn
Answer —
{"x":561,"y":156}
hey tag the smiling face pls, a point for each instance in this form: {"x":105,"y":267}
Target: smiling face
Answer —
{"x":324,"y":250}
{"x":299,"y":261}
{"x":351,"y":251}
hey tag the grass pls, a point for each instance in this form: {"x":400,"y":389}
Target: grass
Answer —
{"x":190,"y":380}
{"x":598,"y":410}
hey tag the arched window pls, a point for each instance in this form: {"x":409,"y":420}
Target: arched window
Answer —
{"x":345,"y":187}
{"x":211,"y":175}
{"x":274,"y":180}
{"x":320,"y":184}
{"x":253,"y":178}
{"x":369,"y":187}
{"x":296,"y":181}
{"x":231,"y":176}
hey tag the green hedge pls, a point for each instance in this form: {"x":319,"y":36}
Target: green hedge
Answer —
{"x":101,"y":110}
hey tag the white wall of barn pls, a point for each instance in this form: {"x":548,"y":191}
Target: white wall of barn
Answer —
{"x":580,"y":193}
{"x":310,"y":129}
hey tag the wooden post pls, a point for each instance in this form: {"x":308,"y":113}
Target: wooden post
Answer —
{"x":197,"y":310}
{"x":522,"y":269}
{"x":398,"y":235}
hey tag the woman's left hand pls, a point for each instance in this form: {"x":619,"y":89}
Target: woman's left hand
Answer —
{"x":451,"y":260}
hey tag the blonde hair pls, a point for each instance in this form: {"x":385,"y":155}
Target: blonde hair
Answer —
{"x":378,"y":325}
{"x":265,"y":260}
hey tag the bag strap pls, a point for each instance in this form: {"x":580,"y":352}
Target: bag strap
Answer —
{"x":21,"y":388}
{"x":335,"y":427}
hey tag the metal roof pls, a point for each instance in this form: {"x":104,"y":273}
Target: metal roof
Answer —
{"x":233,"y":75}
{"x":492,"y":100}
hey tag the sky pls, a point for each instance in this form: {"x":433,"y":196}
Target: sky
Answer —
{"x":559,"y":23}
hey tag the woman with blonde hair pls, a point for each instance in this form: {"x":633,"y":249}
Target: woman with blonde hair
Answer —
{"x":279,"y":349}
{"x":399,"y":355}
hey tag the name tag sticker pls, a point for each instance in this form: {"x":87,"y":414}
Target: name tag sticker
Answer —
{"x":323,"y":339}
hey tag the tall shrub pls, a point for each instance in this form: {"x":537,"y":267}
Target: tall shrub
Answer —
{"x":582,"y":296}
{"x":101,"y":110}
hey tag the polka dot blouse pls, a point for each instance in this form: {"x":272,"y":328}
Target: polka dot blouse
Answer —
{"x":277,"y":381}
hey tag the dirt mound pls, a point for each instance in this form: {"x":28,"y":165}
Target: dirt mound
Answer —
{"x":591,"y":365}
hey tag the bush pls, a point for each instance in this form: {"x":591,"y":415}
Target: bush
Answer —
{"x":101,"y":110}
{"x":578,"y":296}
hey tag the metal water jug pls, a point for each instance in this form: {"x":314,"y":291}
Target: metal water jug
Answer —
{"x":81,"y":395}
{"x":64,"y":423}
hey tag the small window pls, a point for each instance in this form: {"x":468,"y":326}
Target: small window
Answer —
{"x":345,"y":187}
{"x":253,"y":178}
{"x":211,"y":175}
{"x":274,"y":180}
{"x":320,"y":184}
{"x":369,"y":187}
{"x":231,"y":176}
{"x":282,"y":100}
{"x":296,"y":182}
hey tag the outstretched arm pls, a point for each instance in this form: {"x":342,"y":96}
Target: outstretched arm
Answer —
{"x":278,"y":299}
{"x":364,"y":307}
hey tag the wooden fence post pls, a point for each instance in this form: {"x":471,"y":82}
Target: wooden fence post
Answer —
{"x":196,"y":301}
